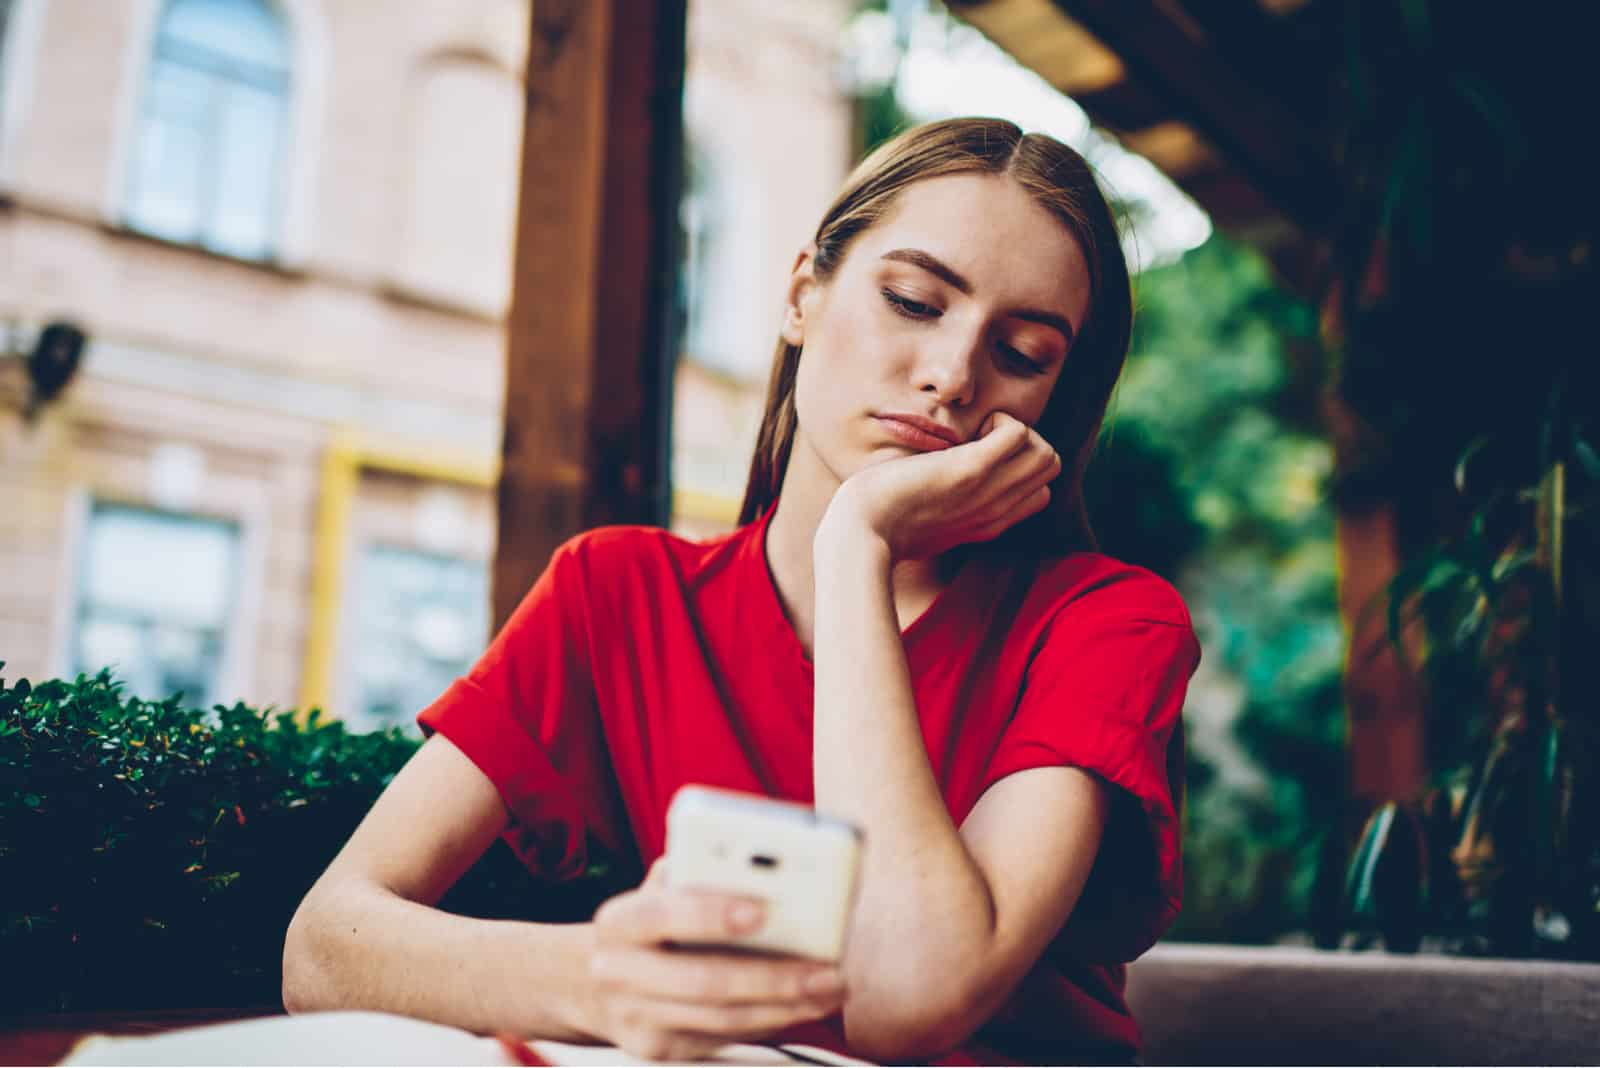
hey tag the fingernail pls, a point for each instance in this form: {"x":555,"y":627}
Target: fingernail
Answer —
{"x":826,"y":981}
{"x":745,"y":916}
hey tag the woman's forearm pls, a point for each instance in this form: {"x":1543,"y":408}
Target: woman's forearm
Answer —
{"x":358,"y":946}
{"x":925,"y":915}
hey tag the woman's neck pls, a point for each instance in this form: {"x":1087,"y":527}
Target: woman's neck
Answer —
{"x":808,"y":488}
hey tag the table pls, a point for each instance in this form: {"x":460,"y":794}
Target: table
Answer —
{"x":46,"y":1038}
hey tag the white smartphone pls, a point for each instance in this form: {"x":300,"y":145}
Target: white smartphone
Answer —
{"x":803,"y":865}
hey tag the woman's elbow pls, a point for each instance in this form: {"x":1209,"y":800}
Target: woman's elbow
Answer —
{"x":916,"y":1025}
{"x":305,"y":986}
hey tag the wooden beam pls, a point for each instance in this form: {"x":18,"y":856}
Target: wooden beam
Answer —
{"x":1041,"y":38}
{"x":1124,"y":107}
{"x":1176,"y":149}
{"x":589,"y":334}
{"x":1169,"y":54}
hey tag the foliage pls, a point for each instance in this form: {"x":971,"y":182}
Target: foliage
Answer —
{"x":1465,"y":285}
{"x":1223,"y":380}
{"x":1217,"y":426}
{"x":1155,"y":527}
{"x":152,"y":854}
{"x":879,"y":116}
{"x":1506,"y":857}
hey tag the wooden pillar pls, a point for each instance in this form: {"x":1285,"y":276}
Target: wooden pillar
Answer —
{"x":590,"y":332}
{"x":1383,"y":702}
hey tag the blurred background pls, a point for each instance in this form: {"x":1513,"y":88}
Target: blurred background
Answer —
{"x":276,"y":240}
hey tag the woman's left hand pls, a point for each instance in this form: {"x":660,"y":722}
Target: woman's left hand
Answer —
{"x":923,"y":505}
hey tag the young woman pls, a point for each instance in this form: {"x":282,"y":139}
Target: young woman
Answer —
{"x":910,"y":630}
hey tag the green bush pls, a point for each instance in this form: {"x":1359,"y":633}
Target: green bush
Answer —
{"x":151,"y":855}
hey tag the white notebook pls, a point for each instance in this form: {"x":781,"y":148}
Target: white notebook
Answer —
{"x":377,"y":1038}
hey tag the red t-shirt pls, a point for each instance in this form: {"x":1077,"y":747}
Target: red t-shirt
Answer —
{"x":641,"y":661}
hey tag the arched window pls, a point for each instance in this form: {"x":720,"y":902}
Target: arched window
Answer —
{"x":207,"y":158}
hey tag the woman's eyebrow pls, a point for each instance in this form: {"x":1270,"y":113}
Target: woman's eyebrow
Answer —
{"x":942,"y":270}
{"x":1034,"y":315}
{"x":932,"y":264}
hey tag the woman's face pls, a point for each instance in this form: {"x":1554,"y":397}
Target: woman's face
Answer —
{"x":961,"y":302}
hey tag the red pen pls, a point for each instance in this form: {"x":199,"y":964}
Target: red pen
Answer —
{"x":520,"y":1051}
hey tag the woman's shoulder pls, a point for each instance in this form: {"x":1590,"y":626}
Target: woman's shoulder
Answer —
{"x":637,"y":551}
{"x":1095,"y":584}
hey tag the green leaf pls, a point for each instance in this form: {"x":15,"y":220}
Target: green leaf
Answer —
{"x":1358,"y":887}
{"x":1546,"y":801}
{"x":1444,"y":574}
{"x":1476,"y":446}
{"x":1587,"y":457}
{"x":1512,"y":564}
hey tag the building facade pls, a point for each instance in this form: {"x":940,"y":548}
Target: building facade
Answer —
{"x":286,"y":228}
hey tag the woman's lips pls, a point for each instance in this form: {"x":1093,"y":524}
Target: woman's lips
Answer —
{"x":916,"y":436}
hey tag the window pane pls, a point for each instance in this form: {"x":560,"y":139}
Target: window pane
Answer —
{"x":175,"y":567}
{"x":249,"y":122}
{"x":154,"y":599}
{"x":244,"y":32}
{"x":170,"y":154}
{"x":207,"y":154}
{"x":423,"y":619}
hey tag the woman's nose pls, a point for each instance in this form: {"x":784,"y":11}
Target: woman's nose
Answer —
{"x":949,"y":374}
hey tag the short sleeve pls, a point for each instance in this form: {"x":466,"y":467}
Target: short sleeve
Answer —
{"x":1104,"y":692}
{"x":525,"y":714}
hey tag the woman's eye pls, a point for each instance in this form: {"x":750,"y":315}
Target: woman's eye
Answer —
{"x":911,"y":309}
{"x":1016,"y":361}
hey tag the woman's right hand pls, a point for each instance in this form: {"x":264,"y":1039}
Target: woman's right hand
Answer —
{"x":654,"y":999}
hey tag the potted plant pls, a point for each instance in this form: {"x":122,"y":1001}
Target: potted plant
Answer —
{"x":1464,"y":279}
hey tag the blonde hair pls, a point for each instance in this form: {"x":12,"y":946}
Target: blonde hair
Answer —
{"x":1061,"y":181}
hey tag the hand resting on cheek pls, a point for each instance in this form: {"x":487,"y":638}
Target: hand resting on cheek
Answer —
{"x":922,"y":505}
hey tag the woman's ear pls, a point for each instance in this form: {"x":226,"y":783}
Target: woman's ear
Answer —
{"x":802,"y":286}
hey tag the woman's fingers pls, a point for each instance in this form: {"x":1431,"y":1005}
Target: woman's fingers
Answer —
{"x":925,"y":504}
{"x":725,"y":1022}
{"x":1018,"y":504}
{"x":1037,"y":460}
{"x":1017,"y":477}
{"x":675,"y":1004}
{"x":1001,"y":438}
{"x":715,"y":978}
{"x":660,"y":914}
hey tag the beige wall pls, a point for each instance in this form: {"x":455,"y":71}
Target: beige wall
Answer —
{"x":381,"y":319}
{"x":761,"y":103}
{"x":253,"y":366}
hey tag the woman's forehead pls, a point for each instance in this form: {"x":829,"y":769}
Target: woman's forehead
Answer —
{"x":989,"y":230}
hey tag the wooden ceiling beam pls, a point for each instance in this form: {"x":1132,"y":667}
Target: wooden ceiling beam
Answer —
{"x":1125,"y":107}
{"x":1176,"y":149}
{"x":1168,"y":54}
{"x":1039,"y":37}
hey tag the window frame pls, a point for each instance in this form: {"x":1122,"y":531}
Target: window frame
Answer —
{"x":350,"y":695}
{"x":237,"y":630}
{"x":156,"y":48}
{"x":336,"y":551}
